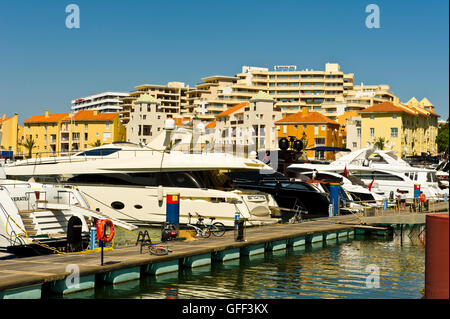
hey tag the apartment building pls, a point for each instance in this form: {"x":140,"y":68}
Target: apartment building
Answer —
{"x":106,"y":102}
{"x":408,"y":129}
{"x":147,"y":119}
{"x":203,"y":102}
{"x":357,"y":98}
{"x":314,"y":128}
{"x":171,"y":97}
{"x":291,"y":89}
{"x":249,"y":123}
{"x":10,"y":134}
{"x":61,"y":133}
{"x":352,"y":133}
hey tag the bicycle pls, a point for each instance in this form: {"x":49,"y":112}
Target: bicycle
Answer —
{"x":216,"y":228}
{"x":297,"y":218}
{"x":199,"y":230}
{"x":153,"y":248}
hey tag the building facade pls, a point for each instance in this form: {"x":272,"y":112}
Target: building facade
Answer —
{"x":408,"y":129}
{"x":314,"y":128}
{"x":64,"y":133}
{"x":10,"y":134}
{"x":109,"y":102}
{"x":171,"y":98}
{"x":249,"y":123}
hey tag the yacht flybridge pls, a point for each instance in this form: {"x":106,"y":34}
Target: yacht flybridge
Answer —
{"x":384,"y":170}
{"x":130,"y":181}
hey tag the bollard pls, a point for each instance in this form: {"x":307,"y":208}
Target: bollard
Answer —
{"x":334,"y":197}
{"x":101,"y":244}
{"x":173,"y":209}
{"x":238,"y":228}
{"x":93,"y":234}
{"x":416,"y":191}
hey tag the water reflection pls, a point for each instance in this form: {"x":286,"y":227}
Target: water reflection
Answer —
{"x":331,"y":269}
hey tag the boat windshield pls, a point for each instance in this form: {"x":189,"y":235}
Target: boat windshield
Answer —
{"x":99,"y":152}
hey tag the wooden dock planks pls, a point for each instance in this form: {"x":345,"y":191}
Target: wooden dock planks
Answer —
{"x":20,"y":272}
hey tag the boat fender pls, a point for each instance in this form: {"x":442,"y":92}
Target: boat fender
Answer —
{"x":160,"y":193}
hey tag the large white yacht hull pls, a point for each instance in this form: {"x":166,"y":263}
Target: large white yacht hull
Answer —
{"x":145,"y":205}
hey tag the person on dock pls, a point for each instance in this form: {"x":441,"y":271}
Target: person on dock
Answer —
{"x":397,"y":199}
{"x":422,"y":201}
{"x":402,"y":200}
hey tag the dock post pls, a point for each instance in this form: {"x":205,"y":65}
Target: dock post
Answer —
{"x":101,"y":244}
{"x":173,"y":209}
{"x":334,"y":197}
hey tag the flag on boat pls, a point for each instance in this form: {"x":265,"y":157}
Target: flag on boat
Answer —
{"x":370,"y":185}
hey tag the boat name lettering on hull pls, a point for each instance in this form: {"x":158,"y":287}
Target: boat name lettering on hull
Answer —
{"x":256,"y":198}
{"x":19,"y":199}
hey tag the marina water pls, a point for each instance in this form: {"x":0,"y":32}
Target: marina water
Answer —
{"x":336,"y":269}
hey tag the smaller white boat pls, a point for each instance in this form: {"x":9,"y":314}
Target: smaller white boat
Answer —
{"x":34,"y":217}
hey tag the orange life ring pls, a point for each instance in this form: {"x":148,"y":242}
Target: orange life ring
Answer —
{"x":101,"y":230}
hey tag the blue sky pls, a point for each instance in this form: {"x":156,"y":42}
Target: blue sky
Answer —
{"x":121,"y":44}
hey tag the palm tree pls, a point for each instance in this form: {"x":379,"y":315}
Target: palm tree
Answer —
{"x":380,"y":143}
{"x":29,"y":145}
{"x":97,"y":143}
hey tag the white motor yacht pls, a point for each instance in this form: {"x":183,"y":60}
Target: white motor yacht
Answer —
{"x":359,"y":193}
{"x":384,"y":170}
{"x":130,"y":182}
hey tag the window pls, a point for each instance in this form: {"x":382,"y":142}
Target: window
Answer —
{"x":323,"y":128}
{"x":358,"y":132}
{"x":372,"y":132}
{"x":377,"y":175}
{"x":372,"y":116}
{"x":319,"y":141}
{"x":316,"y":129}
{"x":99,"y":152}
{"x":394,"y":132}
{"x":394,"y":116}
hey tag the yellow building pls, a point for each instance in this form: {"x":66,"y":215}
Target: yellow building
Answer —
{"x":10,"y":134}
{"x":315,"y":127}
{"x":71,"y":132}
{"x":408,"y":129}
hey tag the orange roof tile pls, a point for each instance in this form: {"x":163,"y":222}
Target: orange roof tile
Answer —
{"x":42,"y":119}
{"x":232,"y":109}
{"x":310,"y":117}
{"x":88,"y":115}
{"x":180,"y":121}
{"x":85,"y":115}
{"x":5,"y":119}
{"x":387,"y":107}
{"x":211,"y":124}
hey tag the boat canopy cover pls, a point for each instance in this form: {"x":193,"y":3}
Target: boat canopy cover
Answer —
{"x":329,"y":149}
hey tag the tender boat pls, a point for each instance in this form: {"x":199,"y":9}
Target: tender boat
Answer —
{"x":34,"y":217}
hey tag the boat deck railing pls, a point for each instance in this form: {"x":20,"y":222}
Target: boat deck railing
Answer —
{"x":70,"y":156}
